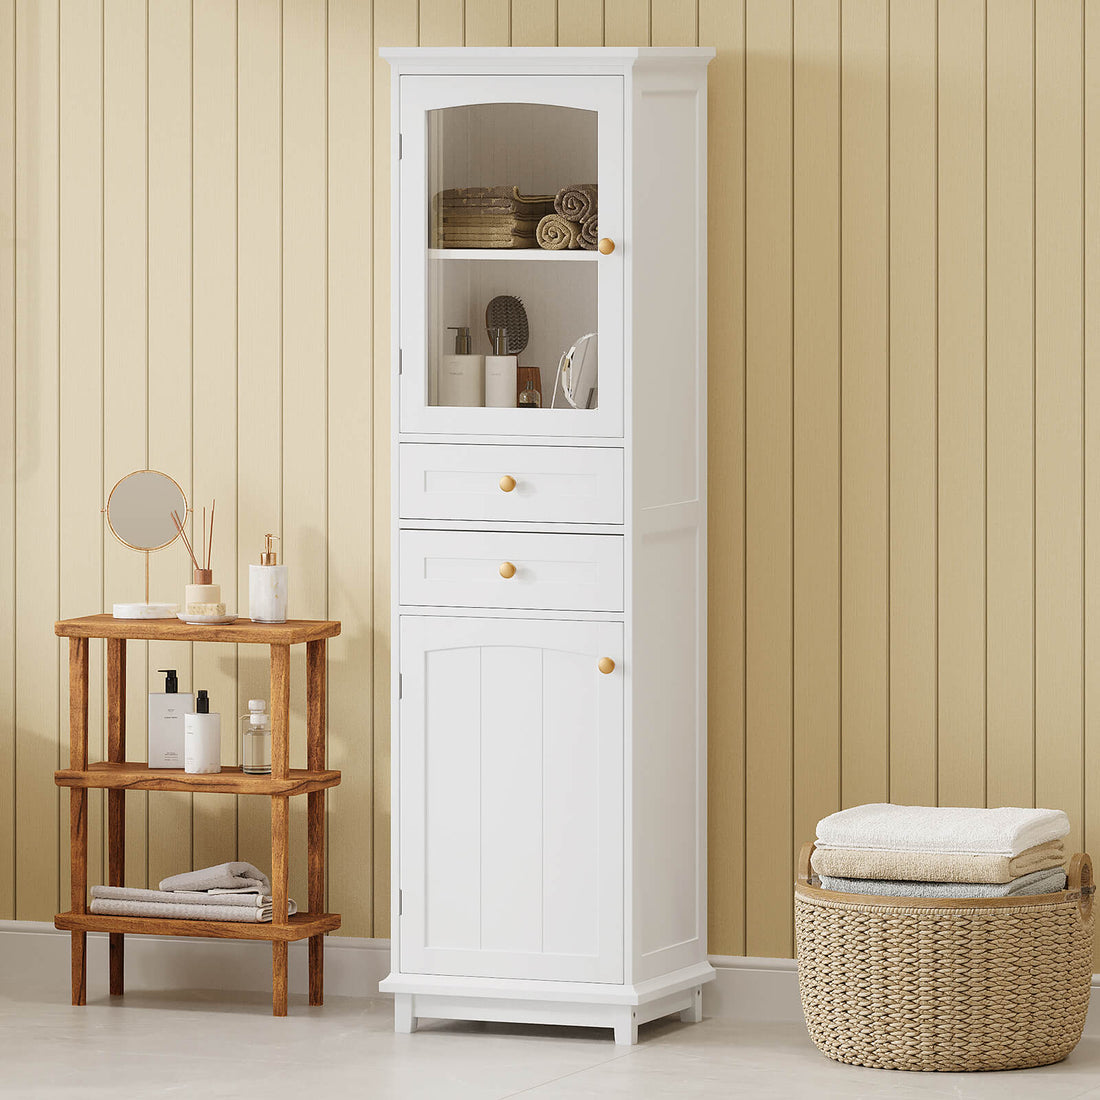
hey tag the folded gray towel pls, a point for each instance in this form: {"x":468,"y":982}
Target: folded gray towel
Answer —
{"x":242,"y":877}
{"x":242,"y":914}
{"x":1038,"y":882}
{"x":182,"y":897}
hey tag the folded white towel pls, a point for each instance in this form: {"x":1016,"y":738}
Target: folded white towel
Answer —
{"x":223,"y":876}
{"x":182,"y":897}
{"x":883,"y":826}
{"x":1038,"y":882}
{"x":242,"y":914}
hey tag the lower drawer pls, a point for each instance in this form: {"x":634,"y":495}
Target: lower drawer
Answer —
{"x":512,"y":570}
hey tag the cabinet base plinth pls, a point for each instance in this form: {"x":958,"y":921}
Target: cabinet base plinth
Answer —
{"x":618,"y":1007}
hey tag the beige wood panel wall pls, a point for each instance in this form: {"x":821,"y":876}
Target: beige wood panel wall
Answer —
{"x":904,"y":302}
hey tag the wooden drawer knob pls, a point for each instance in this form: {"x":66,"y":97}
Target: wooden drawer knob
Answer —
{"x":606,"y":665}
{"x":607,"y":245}
{"x":507,"y":484}
{"x":507,"y":570}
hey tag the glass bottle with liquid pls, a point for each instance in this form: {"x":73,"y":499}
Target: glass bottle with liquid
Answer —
{"x":256,"y":739}
{"x":529,"y":397}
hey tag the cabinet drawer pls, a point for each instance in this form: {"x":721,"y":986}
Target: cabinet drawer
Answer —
{"x":508,"y":569}
{"x":539,"y":484}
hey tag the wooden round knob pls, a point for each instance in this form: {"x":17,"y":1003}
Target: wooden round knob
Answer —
{"x":607,"y":245}
{"x":606,"y":666}
{"x":507,"y":570}
{"x":507,"y":484}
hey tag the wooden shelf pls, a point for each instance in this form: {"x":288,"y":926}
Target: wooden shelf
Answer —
{"x":300,"y":927}
{"x":569,"y":255}
{"x":138,"y":776}
{"x":291,"y":632}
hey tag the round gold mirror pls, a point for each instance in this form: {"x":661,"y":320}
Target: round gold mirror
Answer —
{"x":142,"y":511}
{"x":140,"y":507}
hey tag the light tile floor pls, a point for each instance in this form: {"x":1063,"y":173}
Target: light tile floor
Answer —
{"x":203,"y":1045}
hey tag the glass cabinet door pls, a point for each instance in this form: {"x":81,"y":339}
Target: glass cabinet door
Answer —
{"x":510,"y":215}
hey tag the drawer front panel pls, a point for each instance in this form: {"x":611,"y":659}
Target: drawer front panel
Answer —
{"x":537,"y":484}
{"x":511,"y":570}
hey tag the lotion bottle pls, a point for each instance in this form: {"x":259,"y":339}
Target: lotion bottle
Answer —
{"x":202,"y":739}
{"x":167,"y":711}
{"x":267,"y":587}
{"x":462,"y":375}
{"x":500,"y":373}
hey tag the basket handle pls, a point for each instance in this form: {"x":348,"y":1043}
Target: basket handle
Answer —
{"x":1080,"y":882}
{"x":803,"y":872}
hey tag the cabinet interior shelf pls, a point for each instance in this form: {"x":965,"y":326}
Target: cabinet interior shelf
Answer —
{"x":138,"y":776}
{"x":569,"y":255}
{"x":299,"y":927}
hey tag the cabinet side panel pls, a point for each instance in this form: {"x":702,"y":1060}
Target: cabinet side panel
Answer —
{"x":669,"y":572}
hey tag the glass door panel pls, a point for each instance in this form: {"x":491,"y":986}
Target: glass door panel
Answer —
{"x":498,"y":280}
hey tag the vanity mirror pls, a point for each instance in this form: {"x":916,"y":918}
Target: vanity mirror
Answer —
{"x":139,"y":514}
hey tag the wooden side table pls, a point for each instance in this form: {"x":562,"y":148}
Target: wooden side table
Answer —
{"x":118,"y":775}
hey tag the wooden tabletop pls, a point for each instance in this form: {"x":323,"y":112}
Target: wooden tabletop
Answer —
{"x":172,"y":630}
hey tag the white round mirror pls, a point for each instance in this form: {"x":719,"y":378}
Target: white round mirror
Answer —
{"x":140,"y":507}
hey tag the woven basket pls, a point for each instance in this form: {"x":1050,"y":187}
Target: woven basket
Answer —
{"x":945,"y":984}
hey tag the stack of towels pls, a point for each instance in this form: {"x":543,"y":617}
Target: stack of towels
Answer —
{"x":229,"y":891}
{"x":487,"y":217}
{"x":574,"y":220}
{"x":941,"y":851}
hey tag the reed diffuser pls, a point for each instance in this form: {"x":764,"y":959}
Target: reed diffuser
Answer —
{"x":202,"y":598}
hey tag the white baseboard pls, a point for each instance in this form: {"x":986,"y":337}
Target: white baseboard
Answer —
{"x":35,"y":955}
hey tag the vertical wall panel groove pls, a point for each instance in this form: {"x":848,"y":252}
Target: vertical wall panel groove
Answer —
{"x":768,"y":366}
{"x":1010,"y":623}
{"x":1059,"y":438}
{"x":7,"y":459}
{"x":722,"y":24}
{"x":816,"y":414}
{"x":353,"y":430}
{"x":36,"y":452}
{"x":865,"y":379}
{"x":961,"y":430}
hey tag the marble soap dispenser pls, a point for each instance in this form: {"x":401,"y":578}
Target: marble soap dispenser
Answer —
{"x":267,"y":587}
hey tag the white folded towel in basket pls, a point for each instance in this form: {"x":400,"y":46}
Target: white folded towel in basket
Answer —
{"x":882,"y":826}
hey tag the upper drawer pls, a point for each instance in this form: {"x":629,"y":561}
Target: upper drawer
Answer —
{"x":551,"y":484}
{"x":512,"y":569}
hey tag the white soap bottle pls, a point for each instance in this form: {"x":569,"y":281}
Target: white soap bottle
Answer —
{"x":267,"y":587}
{"x":462,"y":375}
{"x":202,"y":739}
{"x":167,"y":711}
{"x":500,"y":373}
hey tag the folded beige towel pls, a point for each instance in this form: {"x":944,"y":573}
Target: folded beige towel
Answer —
{"x":936,"y":866}
{"x":576,"y":202}
{"x":556,"y":232}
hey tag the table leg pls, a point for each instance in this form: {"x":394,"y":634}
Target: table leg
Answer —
{"x":278,"y":977}
{"x":116,"y":800}
{"x":280,"y":866}
{"x":78,"y":808}
{"x":316,"y":723}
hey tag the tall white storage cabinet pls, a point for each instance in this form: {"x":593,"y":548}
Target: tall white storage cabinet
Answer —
{"x":549,"y":564}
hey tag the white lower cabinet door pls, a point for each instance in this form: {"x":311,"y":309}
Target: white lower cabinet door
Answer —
{"x":511,"y":798}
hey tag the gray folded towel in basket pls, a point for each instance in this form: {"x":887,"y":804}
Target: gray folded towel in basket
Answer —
{"x":1038,"y":882}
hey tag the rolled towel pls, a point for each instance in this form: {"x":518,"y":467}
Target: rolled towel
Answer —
{"x":588,"y":236}
{"x":181,"y":897}
{"x":1038,"y":882}
{"x":242,"y":914}
{"x":556,"y":232}
{"x":883,"y":826}
{"x":936,"y":866}
{"x":576,"y":202}
{"x":242,"y":877}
